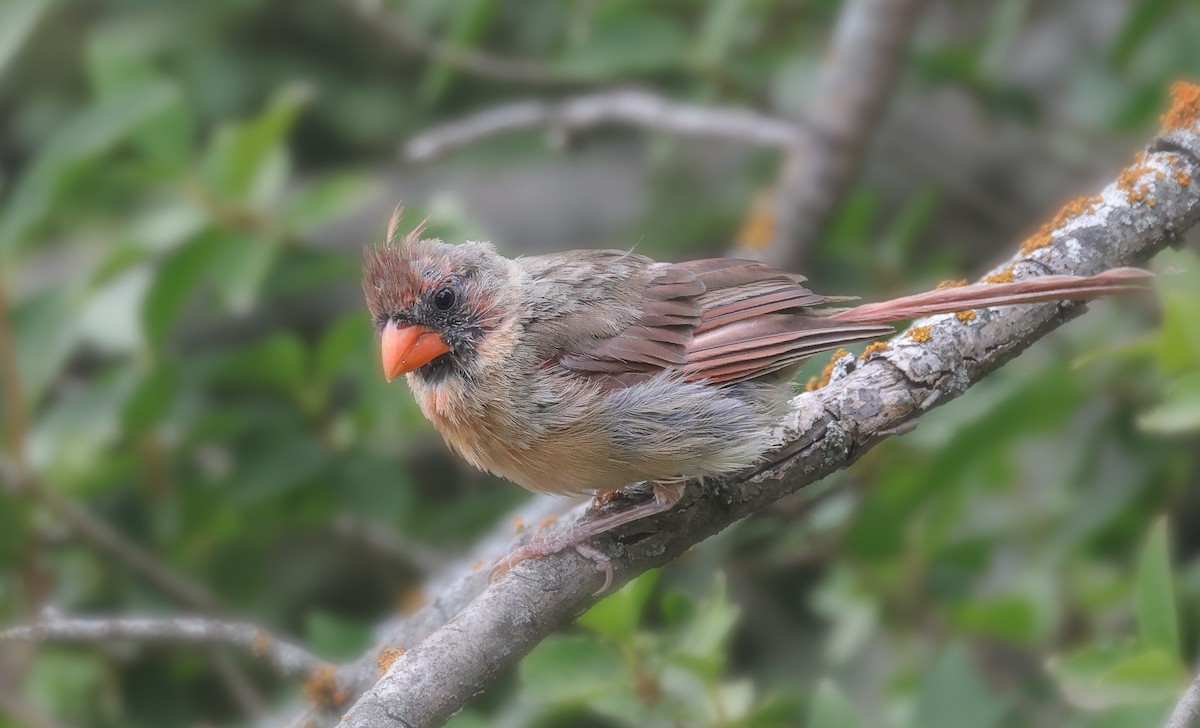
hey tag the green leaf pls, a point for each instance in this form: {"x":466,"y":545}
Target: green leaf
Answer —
{"x":18,"y":18}
{"x":239,"y":162}
{"x":953,"y":696}
{"x":1010,"y":617}
{"x":1179,"y":412}
{"x":151,"y":400}
{"x":74,"y":432}
{"x":178,"y":277}
{"x":110,"y":322}
{"x":1079,"y":674}
{"x":1105,"y":677}
{"x":701,"y":646}
{"x":617,"y":616}
{"x":45,"y":329}
{"x":326,"y":200}
{"x":85,"y":137}
{"x":1158,"y":621}
{"x":1149,"y":676}
{"x":831,"y":709}
{"x":1179,"y":336}
{"x":238,"y":266}
{"x":571,"y":670}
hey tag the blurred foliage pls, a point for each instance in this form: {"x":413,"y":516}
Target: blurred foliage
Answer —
{"x":179,"y":190}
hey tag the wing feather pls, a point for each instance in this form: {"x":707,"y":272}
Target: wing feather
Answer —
{"x":719,"y":320}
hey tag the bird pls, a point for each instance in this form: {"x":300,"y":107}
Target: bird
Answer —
{"x":585,"y":371}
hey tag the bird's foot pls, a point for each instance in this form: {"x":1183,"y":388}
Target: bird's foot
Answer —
{"x":666,"y":495}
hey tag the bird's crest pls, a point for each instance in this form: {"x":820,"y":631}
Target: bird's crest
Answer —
{"x":392,"y":273}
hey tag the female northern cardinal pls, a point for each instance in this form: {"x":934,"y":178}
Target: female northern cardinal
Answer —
{"x":576,"y":372}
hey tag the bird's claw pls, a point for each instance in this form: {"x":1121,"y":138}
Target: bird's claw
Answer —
{"x":551,"y":545}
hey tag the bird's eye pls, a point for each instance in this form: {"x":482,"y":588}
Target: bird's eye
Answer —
{"x":443,"y":299}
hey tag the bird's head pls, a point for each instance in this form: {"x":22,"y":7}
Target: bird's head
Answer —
{"x":438,"y":308}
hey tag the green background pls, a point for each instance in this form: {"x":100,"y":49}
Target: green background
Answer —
{"x":185,"y":190}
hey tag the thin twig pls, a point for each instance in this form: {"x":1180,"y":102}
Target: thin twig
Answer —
{"x":483,"y":65}
{"x":622,"y":106}
{"x":483,"y":632}
{"x":289,"y":659}
{"x":110,"y":541}
{"x":1187,"y":710}
{"x":856,"y":82}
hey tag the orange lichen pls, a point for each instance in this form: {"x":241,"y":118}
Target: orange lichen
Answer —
{"x":966,"y":316}
{"x":1185,"y":106}
{"x":387,"y":657}
{"x":1130,"y":180}
{"x":322,"y":689}
{"x":952,"y":284}
{"x":874,"y":348}
{"x":547,"y":522}
{"x":827,"y":373}
{"x":519,"y":524}
{"x":1183,"y":178}
{"x":1004,"y":276}
{"x":1038,"y":240}
{"x":920,"y":334}
{"x":477,"y":565}
{"x":1075,"y":208}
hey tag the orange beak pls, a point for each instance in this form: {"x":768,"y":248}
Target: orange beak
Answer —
{"x":407,"y":348}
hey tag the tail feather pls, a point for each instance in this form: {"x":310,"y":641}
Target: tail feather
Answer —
{"x":983,"y":295}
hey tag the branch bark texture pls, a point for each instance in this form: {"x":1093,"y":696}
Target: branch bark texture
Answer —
{"x":289,"y":659}
{"x":471,"y":631}
{"x":1186,"y":712}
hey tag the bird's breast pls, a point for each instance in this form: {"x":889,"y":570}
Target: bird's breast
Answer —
{"x":543,"y":439}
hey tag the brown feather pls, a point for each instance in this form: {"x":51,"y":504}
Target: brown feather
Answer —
{"x":983,"y":295}
{"x":727,"y":320}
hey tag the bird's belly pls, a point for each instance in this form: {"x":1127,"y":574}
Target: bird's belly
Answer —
{"x":570,"y":462}
{"x":661,"y":431}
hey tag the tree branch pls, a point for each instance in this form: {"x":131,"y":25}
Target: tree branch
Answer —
{"x":1187,"y":710}
{"x":483,"y":65}
{"x":623,"y":106}
{"x":856,"y":82}
{"x":468,"y":636}
{"x":289,"y":659}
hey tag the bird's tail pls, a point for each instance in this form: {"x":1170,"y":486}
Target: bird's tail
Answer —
{"x":984,"y":295}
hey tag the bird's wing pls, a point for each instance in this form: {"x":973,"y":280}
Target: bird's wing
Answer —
{"x":720,"y":320}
